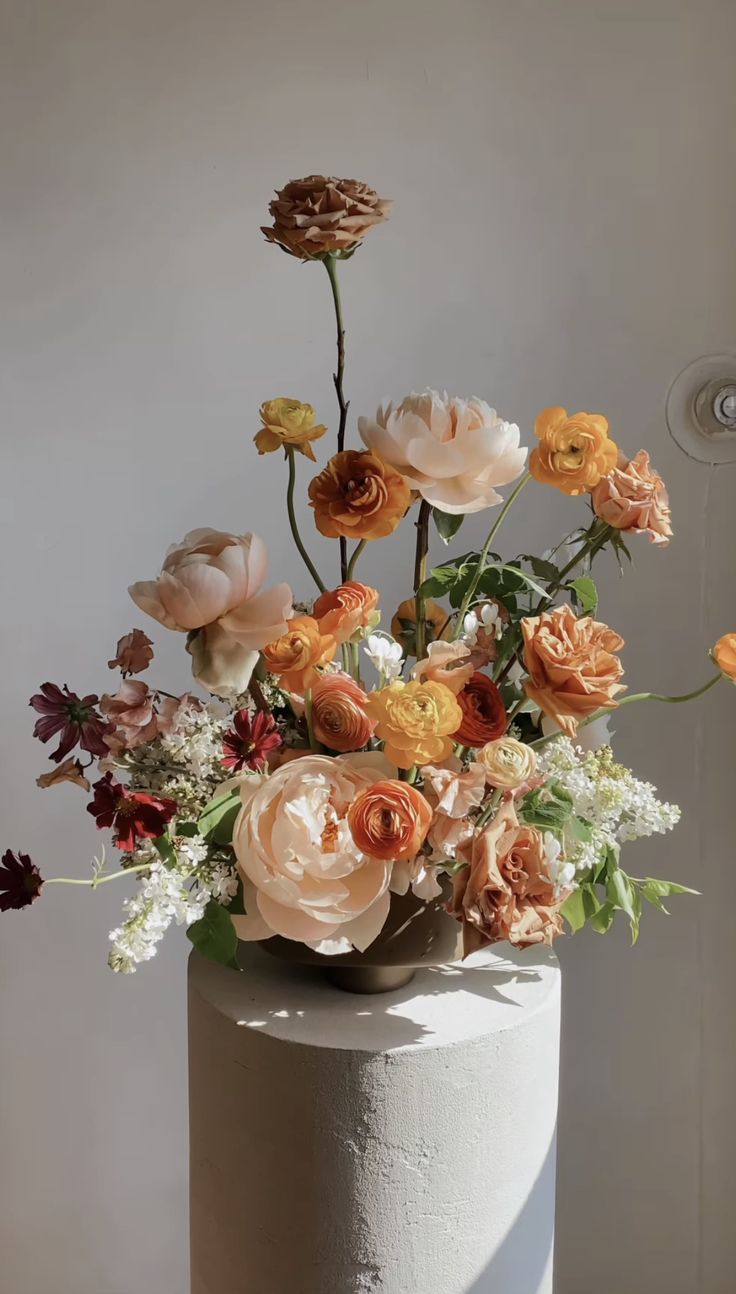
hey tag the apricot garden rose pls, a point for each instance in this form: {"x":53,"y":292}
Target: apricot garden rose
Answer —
{"x":633,"y":497}
{"x":574,"y":450}
{"x":358,"y":496}
{"x":572,"y":664}
{"x":414,"y":720}
{"x":390,"y":820}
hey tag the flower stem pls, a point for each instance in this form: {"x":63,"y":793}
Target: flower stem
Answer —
{"x":420,"y":574}
{"x":94,"y":881}
{"x":292,"y":520}
{"x":330,"y":262}
{"x":628,"y":700}
{"x":470,"y":594}
{"x":487,"y":813}
{"x":355,"y":555}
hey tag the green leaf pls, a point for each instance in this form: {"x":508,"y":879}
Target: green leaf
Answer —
{"x":586,"y":594}
{"x":619,"y":891}
{"x":166,"y":850}
{"x":573,"y":910}
{"x":654,"y":891}
{"x":439,"y":582}
{"x":214,"y":935}
{"x":217,"y":819}
{"x":602,"y":919}
{"x":581,"y":829}
{"x":541,"y":567}
{"x":447,"y":524}
{"x":187,"y":829}
{"x":549,"y":807}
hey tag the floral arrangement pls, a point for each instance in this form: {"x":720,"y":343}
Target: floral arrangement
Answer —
{"x":329,"y":762}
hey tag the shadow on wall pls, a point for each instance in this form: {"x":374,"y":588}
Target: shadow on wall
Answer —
{"x":516,"y":1260}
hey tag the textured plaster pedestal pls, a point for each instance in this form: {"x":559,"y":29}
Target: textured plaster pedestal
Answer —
{"x":402,"y":1143}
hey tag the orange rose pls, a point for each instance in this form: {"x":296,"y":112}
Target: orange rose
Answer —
{"x":358,"y":496}
{"x":389,"y":820}
{"x":447,"y":663}
{"x":724,"y":655}
{"x":415,"y":720}
{"x":574,"y":450}
{"x":506,"y":892}
{"x":634,"y":497}
{"x":572,"y":666}
{"x":297,"y":654}
{"x":403,"y":623}
{"x":339,"y":720}
{"x":346,"y":610}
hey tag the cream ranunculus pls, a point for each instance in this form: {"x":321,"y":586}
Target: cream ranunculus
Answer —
{"x":454,"y":452}
{"x":303,"y":876}
{"x":508,"y":763}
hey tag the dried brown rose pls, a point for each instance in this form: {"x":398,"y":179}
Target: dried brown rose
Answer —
{"x":321,"y":214}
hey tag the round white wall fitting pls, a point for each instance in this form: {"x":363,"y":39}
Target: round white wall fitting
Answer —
{"x":701,"y":409}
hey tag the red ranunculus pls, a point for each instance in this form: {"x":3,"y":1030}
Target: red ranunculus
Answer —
{"x":484,"y":713}
{"x":133,"y":815}
{"x":250,"y":741}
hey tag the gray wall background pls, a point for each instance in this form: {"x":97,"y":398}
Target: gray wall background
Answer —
{"x":563,"y":233}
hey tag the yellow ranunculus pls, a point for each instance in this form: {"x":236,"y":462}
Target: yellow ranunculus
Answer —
{"x":508,"y":763}
{"x":724,"y":655}
{"x":415,"y":721}
{"x":288,"y":423}
{"x":574,"y":450}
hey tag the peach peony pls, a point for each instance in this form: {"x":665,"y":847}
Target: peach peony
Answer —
{"x":414,"y":720}
{"x":724,"y":655}
{"x":288,"y":423}
{"x":297,"y":655}
{"x":445,"y":662}
{"x":574,"y":450}
{"x":132,"y":713}
{"x":339,"y":719}
{"x":347,"y":610}
{"x":506,"y":892}
{"x":357,"y":496}
{"x":572,"y":665}
{"x":454,"y":452}
{"x":219,"y":662}
{"x":321,"y":214}
{"x":389,"y":820}
{"x":303,"y":876}
{"x":634,"y":497}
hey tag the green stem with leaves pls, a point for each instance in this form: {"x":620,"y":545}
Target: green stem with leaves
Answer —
{"x":420,"y":574}
{"x":330,"y":263}
{"x":93,"y":881}
{"x":629,"y":700}
{"x":471,"y":590}
{"x":293,"y":523}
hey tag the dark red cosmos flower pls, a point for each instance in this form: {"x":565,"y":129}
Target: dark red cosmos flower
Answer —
{"x":484,"y":713}
{"x":132,"y":814}
{"x":74,"y":717}
{"x":249,"y":741}
{"x":20,"y":881}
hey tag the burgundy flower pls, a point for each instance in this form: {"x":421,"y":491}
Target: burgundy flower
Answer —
{"x":133,"y":815}
{"x":20,"y":881}
{"x":249,"y":741}
{"x":74,"y":717}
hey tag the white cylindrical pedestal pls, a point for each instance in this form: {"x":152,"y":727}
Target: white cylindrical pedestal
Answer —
{"x":396,"y":1144}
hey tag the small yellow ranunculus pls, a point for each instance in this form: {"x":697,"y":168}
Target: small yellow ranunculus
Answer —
{"x":288,"y":423}
{"x":574,"y":450}
{"x":415,"y":721}
{"x":724,"y":655}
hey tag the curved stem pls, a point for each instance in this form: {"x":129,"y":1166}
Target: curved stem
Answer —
{"x":330,"y":262}
{"x":355,"y":555}
{"x":470,"y":594}
{"x":420,"y":574}
{"x":627,"y":700}
{"x":292,"y":521}
{"x":94,"y":881}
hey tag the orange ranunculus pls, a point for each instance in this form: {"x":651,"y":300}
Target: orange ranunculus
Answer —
{"x":634,"y":497}
{"x":297,"y":654}
{"x":484,"y":715}
{"x":724,"y":655}
{"x":404,"y":620}
{"x":358,"y":496}
{"x":389,"y":820}
{"x":574,"y":450}
{"x":415,"y":721}
{"x":346,"y":610}
{"x":507,"y":891}
{"x":339,"y":719}
{"x":572,"y":665}
{"x":447,"y":663}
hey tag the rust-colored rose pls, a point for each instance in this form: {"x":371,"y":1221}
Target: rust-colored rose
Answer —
{"x":297,"y":655}
{"x":572,"y":665}
{"x":633,"y":497}
{"x":344,"y":611}
{"x":321,"y":214}
{"x":357,"y":496}
{"x":484,"y":713}
{"x":574,"y":450}
{"x":339,"y":719}
{"x":506,"y":892}
{"x":389,"y":820}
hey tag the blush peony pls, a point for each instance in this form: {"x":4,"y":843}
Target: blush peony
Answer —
{"x":454,"y":452}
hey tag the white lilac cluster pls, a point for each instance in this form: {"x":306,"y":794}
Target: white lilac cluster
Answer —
{"x":617,"y":805}
{"x":168,"y":892}
{"x":184,"y":764}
